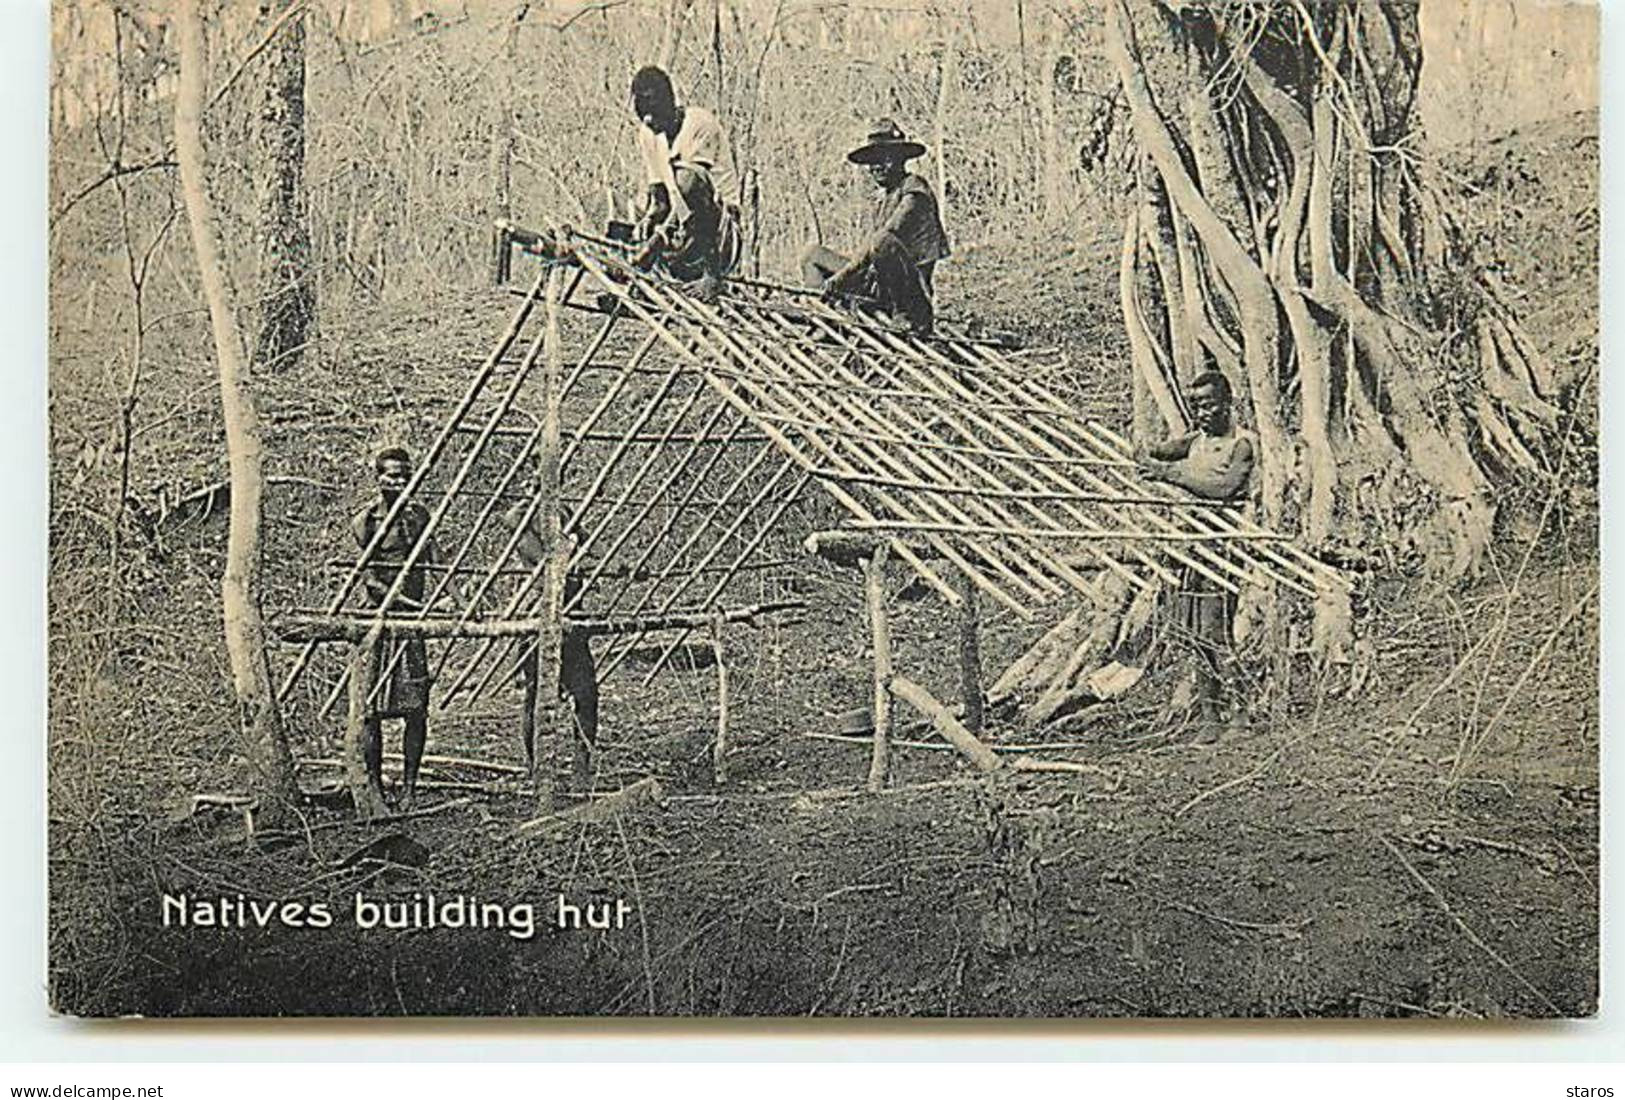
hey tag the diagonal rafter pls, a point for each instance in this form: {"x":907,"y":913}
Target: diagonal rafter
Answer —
{"x":956,"y":452}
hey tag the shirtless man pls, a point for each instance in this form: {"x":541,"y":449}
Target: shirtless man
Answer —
{"x":1214,"y":461}
{"x":402,"y":662}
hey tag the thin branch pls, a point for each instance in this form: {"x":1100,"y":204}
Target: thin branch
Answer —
{"x":166,"y":159}
{"x":1433,"y":891}
{"x":1239,"y":780}
{"x":590,"y":9}
{"x":113,"y":172}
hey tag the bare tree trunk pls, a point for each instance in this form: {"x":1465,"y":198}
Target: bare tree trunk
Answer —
{"x":502,"y":124}
{"x":1054,"y":166}
{"x":947,"y":76}
{"x":286,"y":284}
{"x":264,"y":743}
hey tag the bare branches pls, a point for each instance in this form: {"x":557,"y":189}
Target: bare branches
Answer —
{"x":166,"y":159}
{"x":585,"y":10}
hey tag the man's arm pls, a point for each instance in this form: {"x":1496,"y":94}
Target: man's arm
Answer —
{"x":656,"y":209}
{"x":1157,"y":461}
{"x":886,"y":238}
{"x":1172,"y":449}
{"x":529,"y":547}
{"x":361,"y":527}
{"x":911,"y":207}
{"x":448,"y":589}
{"x":711,"y":147}
{"x":1223,"y":481}
{"x":655,"y":152}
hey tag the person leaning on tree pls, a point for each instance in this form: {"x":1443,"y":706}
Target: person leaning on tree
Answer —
{"x":690,"y":221}
{"x":893,"y":267}
{"x":402,"y":688}
{"x":1214,"y":461}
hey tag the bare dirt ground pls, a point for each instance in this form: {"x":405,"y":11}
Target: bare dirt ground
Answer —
{"x":1426,"y":848}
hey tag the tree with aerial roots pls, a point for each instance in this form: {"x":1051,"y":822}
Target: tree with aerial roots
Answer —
{"x":1284,"y":223}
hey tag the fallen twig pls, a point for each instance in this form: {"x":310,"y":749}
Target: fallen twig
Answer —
{"x":1239,"y":780}
{"x":427,"y":811}
{"x":1547,"y":862}
{"x":643,"y":925}
{"x":428,"y":758}
{"x":1467,"y":752}
{"x":1070,"y":767}
{"x":1581,"y":871}
{"x":1406,"y":1005}
{"x":607,"y":808}
{"x":1433,"y":891}
{"x":1278,"y":928}
{"x":943,"y":746}
{"x":840,"y":960}
{"x":809,"y":799}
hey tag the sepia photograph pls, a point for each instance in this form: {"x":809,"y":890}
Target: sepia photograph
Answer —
{"x":789,"y":508}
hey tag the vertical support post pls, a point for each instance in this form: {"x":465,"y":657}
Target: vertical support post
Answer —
{"x":581,"y":718}
{"x":874,"y":590}
{"x":544,"y":762}
{"x":719,"y":751}
{"x":364,"y":795}
{"x":970,"y":659}
{"x":501,"y":253}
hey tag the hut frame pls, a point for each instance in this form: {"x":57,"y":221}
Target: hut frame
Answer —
{"x":659,"y":464}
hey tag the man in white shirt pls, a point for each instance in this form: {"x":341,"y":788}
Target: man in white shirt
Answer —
{"x":690,"y":223}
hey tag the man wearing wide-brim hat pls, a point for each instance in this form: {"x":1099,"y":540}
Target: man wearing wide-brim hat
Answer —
{"x":893,"y":268}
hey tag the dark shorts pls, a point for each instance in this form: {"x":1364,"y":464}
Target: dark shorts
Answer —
{"x":406,"y":692}
{"x":714,"y":237}
{"x":1205,"y":612}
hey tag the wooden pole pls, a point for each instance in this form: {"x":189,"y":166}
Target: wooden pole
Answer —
{"x":475,"y":388}
{"x":321,"y":627}
{"x":947,"y":475}
{"x":552,"y":397}
{"x":680,"y":557}
{"x":970,"y":660}
{"x":782,"y":393}
{"x":539,"y":347}
{"x":787,"y":498}
{"x":795,"y":369}
{"x":663,"y":497}
{"x":367,"y":797}
{"x":909,"y":357}
{"x":874,"y":590}
{"x":719,"y":751}
{"x":943,"y":720}
{"x":551,"y":636}
{"x":1075,"y":440}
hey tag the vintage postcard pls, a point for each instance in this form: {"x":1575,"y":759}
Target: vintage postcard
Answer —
{"x":737,"y":508}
